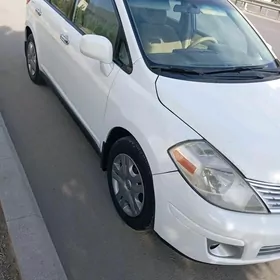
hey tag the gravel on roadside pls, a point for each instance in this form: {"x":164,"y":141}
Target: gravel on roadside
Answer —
{"x":8,"y":266}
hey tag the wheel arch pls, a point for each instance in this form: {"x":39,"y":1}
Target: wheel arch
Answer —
{"x":114,"y":135}
{"x":28,"y":31}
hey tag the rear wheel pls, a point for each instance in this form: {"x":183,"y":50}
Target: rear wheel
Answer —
{"x":131,"y":185}
{"x":32,"y":61}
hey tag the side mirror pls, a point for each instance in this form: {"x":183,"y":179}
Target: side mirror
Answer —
{"x":97,"y":47}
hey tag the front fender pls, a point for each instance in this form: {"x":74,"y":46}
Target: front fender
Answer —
{"x":134,"y":106}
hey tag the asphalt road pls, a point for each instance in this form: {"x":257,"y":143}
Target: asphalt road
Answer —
{"x":71,"y":190}
{"x":269,"y":29}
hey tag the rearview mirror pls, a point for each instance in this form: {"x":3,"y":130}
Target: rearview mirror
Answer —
{"x":187,"y":8}
{"x":97,"y":47}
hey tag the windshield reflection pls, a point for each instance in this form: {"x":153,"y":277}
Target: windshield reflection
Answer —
{"x":197,"y":33}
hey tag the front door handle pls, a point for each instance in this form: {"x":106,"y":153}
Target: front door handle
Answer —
{"x":38,"y":11}
{"x":64,"y":38}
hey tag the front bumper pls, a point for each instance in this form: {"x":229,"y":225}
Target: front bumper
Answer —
{"x":190,"y":224}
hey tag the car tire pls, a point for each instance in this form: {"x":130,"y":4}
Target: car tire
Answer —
{"x":134,"y":201}
{"x":32,"y":61}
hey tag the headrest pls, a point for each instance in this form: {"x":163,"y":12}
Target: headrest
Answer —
{"x":153,"y":16}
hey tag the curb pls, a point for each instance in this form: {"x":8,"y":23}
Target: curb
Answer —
{"x":35,"y":253}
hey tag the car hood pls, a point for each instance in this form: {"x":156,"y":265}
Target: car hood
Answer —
{"x":241,"y":120}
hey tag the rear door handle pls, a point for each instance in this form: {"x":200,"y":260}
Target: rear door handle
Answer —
{"x":64,"y":38}
{"x":38,"y":11}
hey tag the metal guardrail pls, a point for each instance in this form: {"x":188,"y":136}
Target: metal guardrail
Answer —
{"x":269,"y":10}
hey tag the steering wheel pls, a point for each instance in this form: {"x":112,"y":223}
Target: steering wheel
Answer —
{"x":203,"y":39}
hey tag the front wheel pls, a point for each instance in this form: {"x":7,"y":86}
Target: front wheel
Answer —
{"x":131,"y":184}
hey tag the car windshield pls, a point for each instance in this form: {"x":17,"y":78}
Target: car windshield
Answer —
{"x":197,"y":33}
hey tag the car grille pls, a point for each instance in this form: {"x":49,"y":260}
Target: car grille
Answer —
{"x":269,"y":193}
{"x":269,"y":250}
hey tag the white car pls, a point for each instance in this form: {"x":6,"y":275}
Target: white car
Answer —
{"x":182,"y":98}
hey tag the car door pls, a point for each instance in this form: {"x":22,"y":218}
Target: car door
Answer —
{"x":36,"y":20}
{"x":86,"y":82}
{"x":55,"y":18}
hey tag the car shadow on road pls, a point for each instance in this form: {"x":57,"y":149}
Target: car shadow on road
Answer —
{"x":72,"y":193}
{"x":9,"y":42}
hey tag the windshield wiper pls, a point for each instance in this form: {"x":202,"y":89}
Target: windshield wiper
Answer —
{"x":174,"y":69}
{"x":242,"y":69}
{"x":276,"y":70}
{"x":257,"y":70}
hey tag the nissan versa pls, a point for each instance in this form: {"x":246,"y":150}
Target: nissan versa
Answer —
{"x":182,"y":99}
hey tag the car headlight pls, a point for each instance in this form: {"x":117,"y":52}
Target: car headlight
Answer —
{"x":214,"y":178}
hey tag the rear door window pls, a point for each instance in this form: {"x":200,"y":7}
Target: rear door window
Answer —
{"x":64,"y":6}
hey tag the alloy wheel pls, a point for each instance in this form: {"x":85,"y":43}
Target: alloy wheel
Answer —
{"x":31,"y":59}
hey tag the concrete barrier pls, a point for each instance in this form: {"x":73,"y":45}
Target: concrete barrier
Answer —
{"x":266,"y":9}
